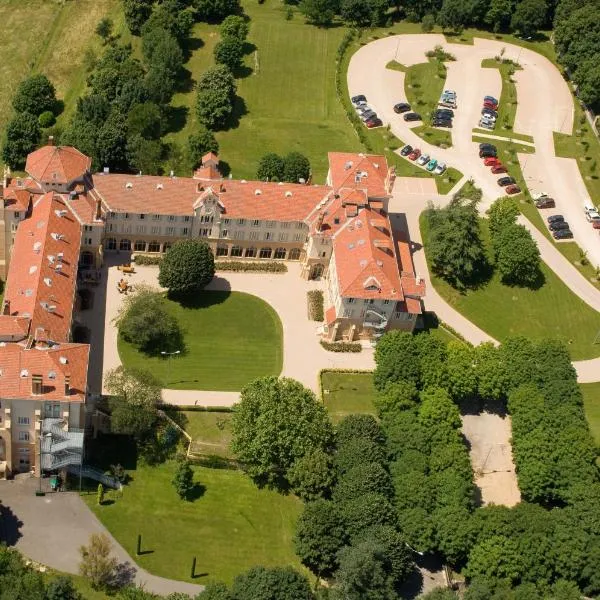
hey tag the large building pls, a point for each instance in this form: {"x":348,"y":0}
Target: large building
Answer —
{"x":58,"y":222}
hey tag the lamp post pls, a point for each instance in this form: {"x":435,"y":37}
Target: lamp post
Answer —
{"x":168,"y":356}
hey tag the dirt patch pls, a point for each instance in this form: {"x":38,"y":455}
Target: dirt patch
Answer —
{"x":491,"y":457}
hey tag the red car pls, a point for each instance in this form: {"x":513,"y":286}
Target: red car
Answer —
{"x":512,"y":189}
{"x":373,"y":123}
{"x":492,"y":161}
{"x":490,"y":105}
{"x":414,"y":154}
{"x":498,"y":169}
{"x":596,"y":224}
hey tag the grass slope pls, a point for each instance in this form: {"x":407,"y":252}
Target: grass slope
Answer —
{"x":347,"y":393}
{"x":210,"y":432}
{"x":591,"y":403}
{"x":230,"y":339}
{"x":503,"y":311}
{"x":231,"y":527}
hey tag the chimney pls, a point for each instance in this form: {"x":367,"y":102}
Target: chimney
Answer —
{"x":6,"y":307}
{"x":36,"y":385}
{"x":67,"y":385}
{"x":50,"y":140}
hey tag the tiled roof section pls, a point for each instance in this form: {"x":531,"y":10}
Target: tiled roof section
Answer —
{"x":54,"y":364}
{"x":363,"y":171}
{"x":84,"y":207}
{"x":57,"y":164}
{"x":177,"y":196}
{"x":17,"y":200}
{"x":412,"y":286}
{"x":330,"y":315}
{"x":42,"y":277}
{"x":14,"y":327}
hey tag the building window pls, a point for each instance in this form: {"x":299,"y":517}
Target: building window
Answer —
{"x":347,"y":312}
{"x":298,"y":237}
{"x":51,"y":410}
{"x":238,"y":235}
{"x":88,"y":241}
{"x":126,"y":215}
{"x":23,"y":436}
{"x":184,"y":231}
{"x":254,"y":235}
{"x":294,"y":254}
{"x":369,"y":300}
{"x":110,"y":244}
{"x":22,"y":420}
{"x":222,"y":250}
{"x":205,"y":232}
{"x":186,"y":219}
{"x":87,"y":227}
{"x":112,"y":215}
{"x":125,"y":245}
{"x":236,"y":251}
{"x":126,"y":229}
{"x":241,"y":221}
{"x":154,"y":246}
{"x":142,"y":216}
{"x":17,"y":215}
{"x":386,"y":301}
{"x":268,"y":236}
{"x":155,"y":230}
{"x":336,"y":221}
{"x":265,"y":253}
{"x":225,"y":221}
{"x":206,"y":219}
{"x":139,"y":246}
{"x":250,"y":252}
{"x":156,"y":217}
{"x":256,"y":223}
{"x":172,"y":217}
{"x":285,"y":225}
{"x":224,"y":233}
{"x":280,"y":253}
{"x":283,"y":237}
{"x":351,"y":300}
{"x":140,"y":229}
{"x":299,"y":225}
{"x":170,"y":231}
{"x":270,"y":224}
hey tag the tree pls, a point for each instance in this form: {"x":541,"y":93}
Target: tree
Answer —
{"x":358,"y":452}
{"x":271,"y":167}
{"x":498,"y":557}
{"x":320,"y":534}
{"x":164,"y":59}
{"x":498,"y":14}
{"x":35,"y":95}
{"x":137,"y":13}
{"x":517,"y":256}
{"x":319,"y":12}
{"x":364,"y":573}
{"x":229,"y":52}
{"x":173,"y":17}
{"x":529,"y":16}
{"x":461,"y":374}
{"x":312,"y":475}
{"x":200,"y":143}
{"x":366,"y":511}
{"x":397,"y":359}
{"x":427,"y":23}
{"x":296,"y":167}
{"x":215,"y":591}
{"x":100,"y":494}
{"x":441,"y":594}
{"x":356,"y":426}
{"x":436,"y":407}
{"x":502,"y":213}
{"x":260,"y":583}
{"x":144,"y":155}
{"x":234,"y":26}
{"x":62,"y":588}
{"x":456,"y":14}
{"x":277,"y":422}
{"x":97,"y":564}
{"x":216,"y":10}
{"x":104,"y":29}
{"x":215,"y":96}
{"x":187,"y":267}
{"x":46,"y":119}
{"x":588,"y":78}
{"x":395,"y":398}
{"x":363,"y":479}
{"x":144,"y":322}
{"x":145,"y":120}
{"x":492,"y":376}
{"x":183,"y":479}
{"x":355,"y":12}
{"x":21,"y":138}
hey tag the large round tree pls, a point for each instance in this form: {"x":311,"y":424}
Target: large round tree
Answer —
{"x":187,"y":267}
{"x":277,"y":422}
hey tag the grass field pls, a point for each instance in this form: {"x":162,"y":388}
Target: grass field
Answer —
{"x":347,"y":393}
{"x":591,"y":403}
{"x":503,"y":311}
{"x":230,"y":339}
{"x":210,"y":432}
{"x":231,"y":525}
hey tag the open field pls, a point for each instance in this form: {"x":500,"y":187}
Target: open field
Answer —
{"x":220,"y":330}
{"x":503,"y":311}
{"x":230,"y":526}
{"x":210,"y":432}
{"x":347,"y":393}
{"x":591,"y":403}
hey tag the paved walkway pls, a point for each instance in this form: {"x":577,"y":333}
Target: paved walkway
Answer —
{"x":51,"y":529}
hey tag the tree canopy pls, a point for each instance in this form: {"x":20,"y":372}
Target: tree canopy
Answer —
{"x":187,"y":267}
{"x":21,"y":137}
{"x":35,"y":95}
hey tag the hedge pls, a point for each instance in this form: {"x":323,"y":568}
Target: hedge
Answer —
{"x":253,"y":267}
{"x":341,"y":346}
{"x":143,"y":259}
{"x":315,"y":305}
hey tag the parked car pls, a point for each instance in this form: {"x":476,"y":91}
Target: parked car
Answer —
{"x":432,"y":164}
{"x":592,"y":215}
{"x":492,"y":161}
{"x":414,"y":154}
{"x":562,"y":234}
{"x":401,"y":107}
{"x":596,"y":224}
{"x":423,"y":159}
{"x":406,"y":150}
{"x":444,"y":111}
{"x":374,"y":122}
{"x":367,"y":115}
{"x":539,"y":195}
{"x":486,"y":124}
{"x":512,"y":189}
{"x":556,"y":225}
{"x":490,"y":99}
{"x":441,"y":167}
{"x":498,"y":169}
{"x":486,"y":145}
{"x":361,"y":108}
{"x":504,"y":181}
{"x":357,"y":99}
{"x":412,"y":116}
{"x":545,"y":202}
{"x":489,"y":113}
{"x":491,"y":105}
{"x":442,"y":123}
{"x":487,"y":153}
{"x":555,"y":219}
{"x":450,"y":93}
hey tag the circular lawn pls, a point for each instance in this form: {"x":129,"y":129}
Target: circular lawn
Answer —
{"x":230,"y":338}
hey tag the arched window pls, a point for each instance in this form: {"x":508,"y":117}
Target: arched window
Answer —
{"x":222,"y":250}
{"x":280,"y":253}
{"x":125,"y":245}
{"x":236,"y":251}
{"x":110,"y":244}
{"x":139,"y":246}
{"x":265,"y":252}
{"x":294,"y":254}
{"x":154,"y":246}
{"x":250,"y":252}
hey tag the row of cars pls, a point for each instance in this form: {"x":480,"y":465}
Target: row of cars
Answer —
{"x":489,"y":153}
{"x":556,"y":223}
{"x":442,"y":117}
{"x":489,"y":112}
{"x":365,"y":112}
{"x":423,"y":160}
{"x":404,"y":108}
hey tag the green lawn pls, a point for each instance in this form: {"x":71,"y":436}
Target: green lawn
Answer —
{"x":347,"y":393}
{"x":230,"y":527}
{"x":230,"y":339}
{"x":503,"y":311}
{"x":433,"y":135}
{"x":210,"y":432}
{"x":82,"y":585}
{"x":591,"y":403}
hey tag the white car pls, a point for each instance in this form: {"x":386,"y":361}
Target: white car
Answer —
{"x":423,"y":159}
{"x":592,"y":216}
{"x":539,"y":196}
{"x":441,"y":167}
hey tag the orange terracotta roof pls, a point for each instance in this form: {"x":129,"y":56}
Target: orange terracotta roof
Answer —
{"x":42,"y":276}
{"x":83,"y":206}
{"x":177,"y":196}
{"x":17,"y":200}
{"x":362,"y":171}
{"x":14,"y":326}
{"x":330,"y":315}
{"x":18,"y":365}
{"x":57,"y":164}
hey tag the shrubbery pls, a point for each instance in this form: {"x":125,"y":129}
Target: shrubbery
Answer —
{"x":341,"y":346}
{"x":187,"y":267}
{"x":251,"y":267}
{"x":315,"y":305}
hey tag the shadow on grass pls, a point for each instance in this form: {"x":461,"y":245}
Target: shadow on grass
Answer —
{"x":196,"y":492}
{"x":185,"y":81}
{"x":175,"y":118}
{"x":189,"y":46}
{"x":239,"y":110}
{"x":112,"y":449}
{"x":203,"y":299}
{"x":536,"y":284}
